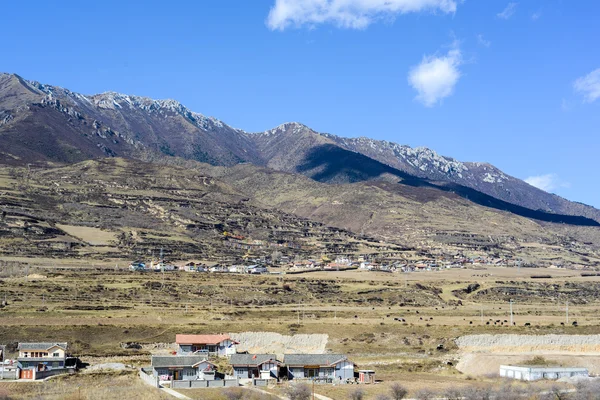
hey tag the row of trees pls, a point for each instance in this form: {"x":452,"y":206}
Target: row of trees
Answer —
{"x":585,"y":390}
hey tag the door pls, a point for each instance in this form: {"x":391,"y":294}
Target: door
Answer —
{"x":311,"y":373}
{"x":176,"y":375}
{"x":26,"y":374}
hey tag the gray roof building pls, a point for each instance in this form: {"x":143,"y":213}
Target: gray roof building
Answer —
{"x":252,"y":359}
{"x":178,"y":361}
{"x":41,"y":345}
{"x":313,"y":359}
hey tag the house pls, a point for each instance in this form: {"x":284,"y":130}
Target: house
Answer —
{"x":257,"y":269}
{"x":255,"y":366}
{"x":213,"y":345}
{"x":334,"y":367}
{"x":41,"y":356}
{"x":190,"y":267}
{"x":137,"y":266}
{"x":183,"y":368}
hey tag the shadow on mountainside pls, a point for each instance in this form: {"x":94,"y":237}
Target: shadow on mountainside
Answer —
{"x":329,"y":163}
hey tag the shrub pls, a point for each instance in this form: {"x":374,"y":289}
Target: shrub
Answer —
{"x":425,"y":394}
{"x":299,"y":392}
{"x":398,"y":391}
{"x":234,"y":394}
{"x":358,"y":394}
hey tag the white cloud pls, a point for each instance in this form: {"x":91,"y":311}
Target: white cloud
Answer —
{"x":435,"y":77}
{"x":355,"y":14}
{"x":547,"y":182}
{"x":482,"y":41}
{"x":589,"y":86}
{"x":508,"y":12}
{"x":535,"y":16}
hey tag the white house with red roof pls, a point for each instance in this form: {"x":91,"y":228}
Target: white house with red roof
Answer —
{"x":212,"y":345}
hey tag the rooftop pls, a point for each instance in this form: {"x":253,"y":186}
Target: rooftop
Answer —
{"x":251,"y":359}
{"x":201,"y":339}
{"x":178,"y":361}
{"x":41,"y":345}
{"x":313,"y":359}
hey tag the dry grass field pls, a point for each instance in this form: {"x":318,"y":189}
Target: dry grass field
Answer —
{"x":83,"y":387}
{"x":97,"y":309}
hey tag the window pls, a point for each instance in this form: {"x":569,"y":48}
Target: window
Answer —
{"x":55,"y":364}
{"x":55,"y":354}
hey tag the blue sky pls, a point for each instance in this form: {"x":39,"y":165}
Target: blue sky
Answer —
{"x":516,"y":84}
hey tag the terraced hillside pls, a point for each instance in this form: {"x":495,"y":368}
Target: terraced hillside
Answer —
{"x":117,"y":208}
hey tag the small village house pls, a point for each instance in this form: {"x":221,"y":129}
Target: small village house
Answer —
{"x":326,"y":367}
{"x":209,"y":345}
{"x":262,"y":366}
{"x":183,"y":368}
{"x":41,"y":356}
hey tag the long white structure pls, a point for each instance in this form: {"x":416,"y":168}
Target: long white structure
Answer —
{"x":534,"y":373}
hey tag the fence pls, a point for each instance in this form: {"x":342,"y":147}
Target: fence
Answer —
{"x":149,"y":379}
{"x":205,"y":384}
{"x":13,"y":374}
{"x":53,"y":372}
{"x":263,"y":382}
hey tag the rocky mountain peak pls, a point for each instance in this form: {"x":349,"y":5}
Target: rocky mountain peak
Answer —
{"x":293,"y":127}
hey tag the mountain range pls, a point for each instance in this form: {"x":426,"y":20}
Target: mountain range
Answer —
{"x":48,"y":126}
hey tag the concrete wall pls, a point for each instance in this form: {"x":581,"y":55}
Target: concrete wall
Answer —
{"x":149,"y":379}
{"x":52,"y":372}
{"x":198,"y":384}
{"x":14,"y":374}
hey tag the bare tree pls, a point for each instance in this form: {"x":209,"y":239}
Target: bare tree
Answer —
{"x":586,"y":390}
{"x":358,"y":394}
{"x":299,"y":391}
{"x":425,"y":394}
{"x":473,"y":393}
{"x":398,"y":391}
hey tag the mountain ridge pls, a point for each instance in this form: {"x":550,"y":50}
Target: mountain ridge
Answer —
{"x":114,"y":124}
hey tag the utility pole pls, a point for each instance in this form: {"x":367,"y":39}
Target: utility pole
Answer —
{"x":482,"y":314}
{"x":511,"y":312}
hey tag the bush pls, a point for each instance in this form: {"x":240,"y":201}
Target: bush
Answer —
{"x":299,"y":391}
{"x":453,"y":393}
{"x":398,"y":391}
{"x":425,"y":394}
{"x":234,"y":394}
{"x":358,"y":394}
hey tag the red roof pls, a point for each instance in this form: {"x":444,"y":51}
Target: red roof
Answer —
{"x":201,"y":339}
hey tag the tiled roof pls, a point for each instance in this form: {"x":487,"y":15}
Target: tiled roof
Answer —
{"x":41,"y":346}
{"x":313,"y":359}
{"x":201,"y":339}
{"x":177,"y":361}
{"x":40,"y":359}
{"x":249,"y":359}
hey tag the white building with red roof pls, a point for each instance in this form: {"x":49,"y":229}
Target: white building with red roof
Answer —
{"x":212,"y":345}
